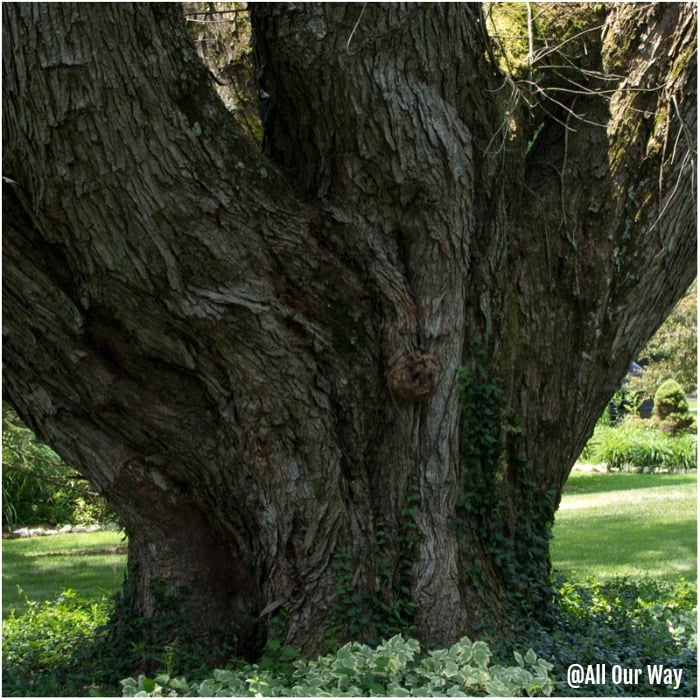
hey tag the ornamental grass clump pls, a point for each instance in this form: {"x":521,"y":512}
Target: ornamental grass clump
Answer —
{"x":636,"y":444}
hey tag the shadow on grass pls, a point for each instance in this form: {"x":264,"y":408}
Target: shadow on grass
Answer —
{"x":583,"y":483}
{"x":45,"y":576}
{"x":117,"y":549}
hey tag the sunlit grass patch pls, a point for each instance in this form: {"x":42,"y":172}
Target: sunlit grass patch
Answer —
{"x":39,"y":568}
{"x":623,"y":524}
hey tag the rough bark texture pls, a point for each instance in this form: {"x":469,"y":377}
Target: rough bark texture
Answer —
{"x":255,"y":356}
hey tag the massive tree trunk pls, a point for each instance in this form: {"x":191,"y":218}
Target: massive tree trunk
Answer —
{"x":255,"y":355}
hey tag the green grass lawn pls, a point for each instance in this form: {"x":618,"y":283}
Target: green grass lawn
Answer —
{"x":624,"y":524}
{"x":41,"y":567}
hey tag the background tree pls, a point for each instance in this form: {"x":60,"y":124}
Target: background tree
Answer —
{"x":672,"y":353}
{"x":255,"y":355}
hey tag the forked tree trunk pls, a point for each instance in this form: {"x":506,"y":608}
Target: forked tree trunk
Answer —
{"x":255,"y":356}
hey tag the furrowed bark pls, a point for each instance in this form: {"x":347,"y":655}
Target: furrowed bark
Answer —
{"x":254,"y":355}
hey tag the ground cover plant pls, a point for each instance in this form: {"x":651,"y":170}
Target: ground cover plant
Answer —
{"x":46,"y":649}
{"x":396,"y":667}
{"x":627,"y":622}
{"x":51,"y":651}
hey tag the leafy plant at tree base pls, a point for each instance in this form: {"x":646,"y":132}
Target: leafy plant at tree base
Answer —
{"x":63,"y":648}
{"x":671,"y":411}
{"x":623,"y":621}
{"x":397,"y":667}
{"x":73,"y":646}
{"x":42,"y":648}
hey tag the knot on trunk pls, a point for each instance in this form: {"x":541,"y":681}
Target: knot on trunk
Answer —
{"x":413,"y":376}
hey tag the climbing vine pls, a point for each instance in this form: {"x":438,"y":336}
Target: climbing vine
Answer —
{"x":502,"y":507}
{"x":390,"y":610}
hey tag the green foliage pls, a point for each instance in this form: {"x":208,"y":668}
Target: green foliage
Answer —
{"x":502,"y":504}
{"x":627,"y":622}
{"x":671,"y":410}
{"x":623,"y":404}
{"x":169,"y":638}
{"x":63,"y":648}
{"x":391,"y":611}
{"x":396,"y":667}
{"x":38,"y":487}
{"x":673,"y":350}
{"x":636,"y":444}
{"x":73,"y":645}
{"x":42,"y":649}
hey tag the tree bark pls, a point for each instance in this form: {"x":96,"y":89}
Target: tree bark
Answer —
{"x":255,"y":356}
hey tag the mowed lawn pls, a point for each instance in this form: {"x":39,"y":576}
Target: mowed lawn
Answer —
{"x":92,"y":564}
{"x":623,"y":524}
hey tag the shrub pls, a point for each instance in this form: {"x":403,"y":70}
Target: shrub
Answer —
{"x":684,"y":453}
{"x":671,"y":410}
{"x":74,"y":646}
